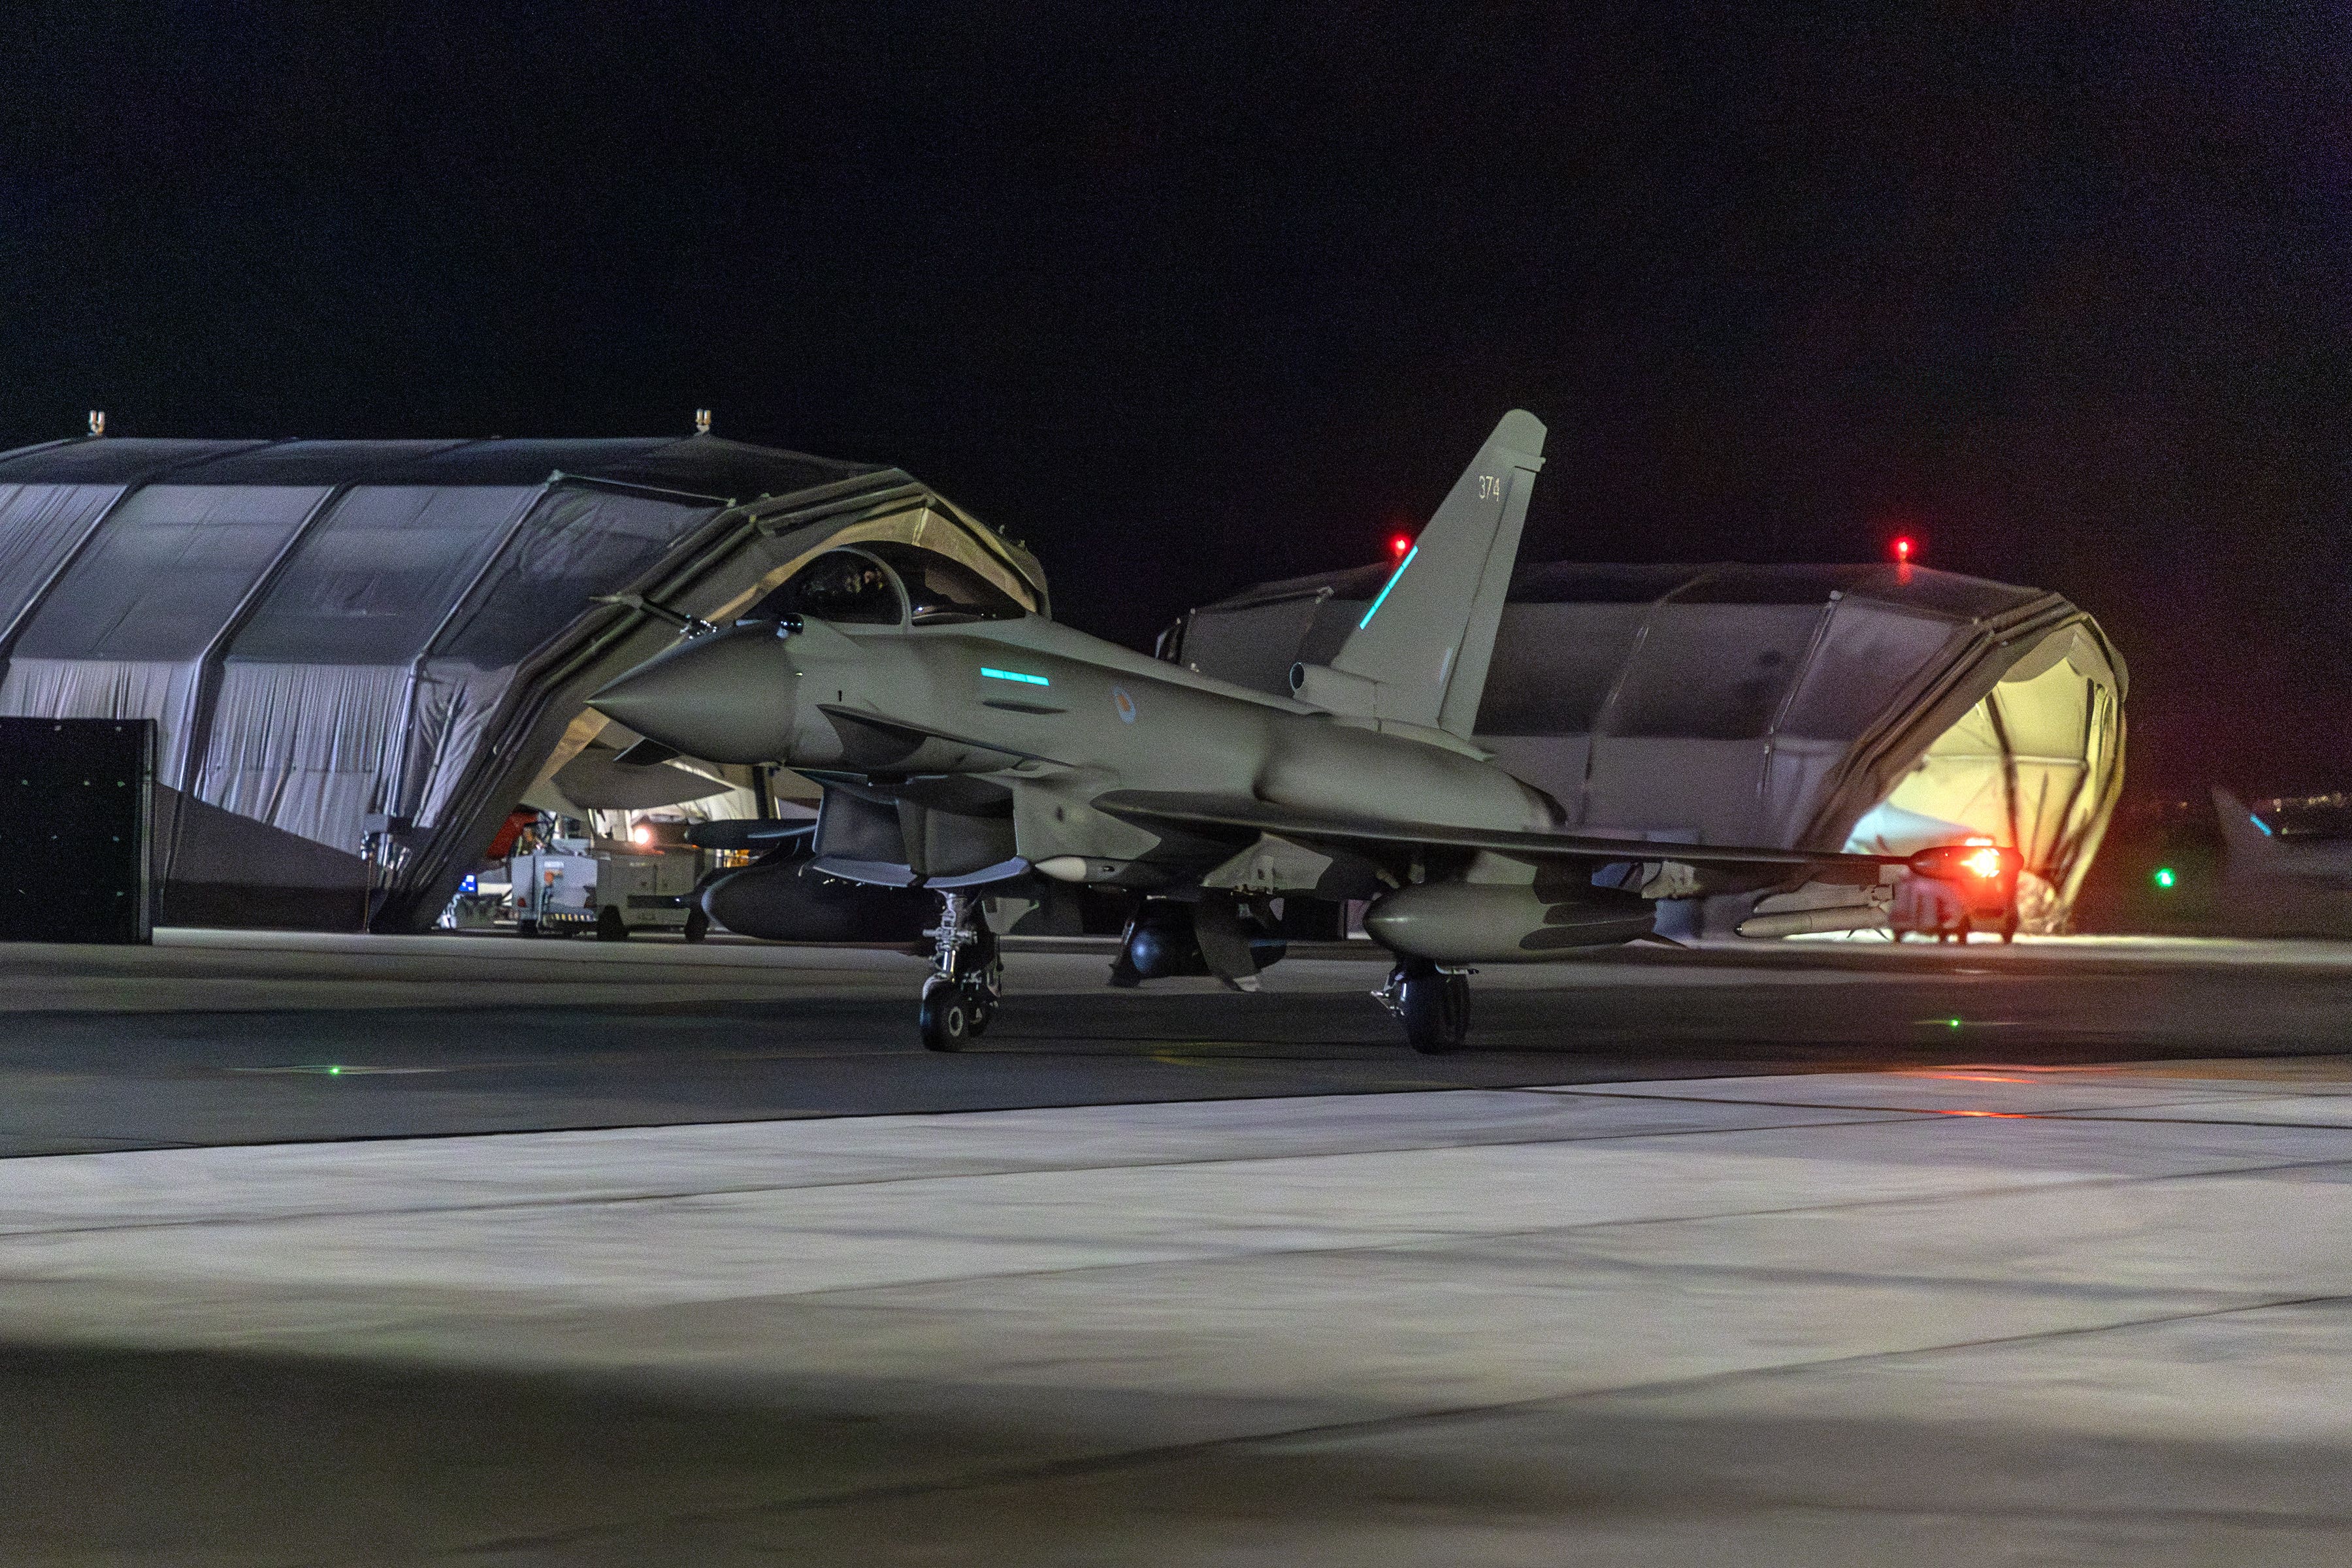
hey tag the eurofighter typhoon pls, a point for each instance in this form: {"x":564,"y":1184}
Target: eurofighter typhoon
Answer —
{"x":964,"y":744}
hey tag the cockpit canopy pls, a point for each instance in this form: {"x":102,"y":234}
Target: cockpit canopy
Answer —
{"x":888,"y":584}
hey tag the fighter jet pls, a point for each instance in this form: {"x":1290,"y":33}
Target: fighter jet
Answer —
{"x":2286,"y":874}
{"x":963,"y":744}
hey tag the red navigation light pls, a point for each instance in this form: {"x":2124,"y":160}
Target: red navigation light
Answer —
{"x":1399,"y":543}
{"x":1954,"y":862}
{"x":1904,"y":547}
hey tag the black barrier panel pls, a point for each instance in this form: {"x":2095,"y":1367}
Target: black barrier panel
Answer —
{"x":75,"y":802}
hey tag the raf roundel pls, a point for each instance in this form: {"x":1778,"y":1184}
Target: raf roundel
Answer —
{"x":1124,"y":703}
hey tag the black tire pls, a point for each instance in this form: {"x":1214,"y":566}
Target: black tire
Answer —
{"x":1436,"y":1010}
{"x":697,"y":925}
{"x":611,"y":924}
{"x":946,"y":1018}
{"x":526,"y":928}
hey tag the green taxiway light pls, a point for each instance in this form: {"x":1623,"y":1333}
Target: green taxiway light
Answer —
{"x":2165,"y":877}
{"x":1952,"y":1022}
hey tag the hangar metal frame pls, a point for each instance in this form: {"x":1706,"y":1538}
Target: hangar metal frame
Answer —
{"x":448,"y":735}
{"x":1629,"y":693}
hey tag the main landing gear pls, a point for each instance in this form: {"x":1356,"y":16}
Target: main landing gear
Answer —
{"x":1432,"y":1003}
{"x":960,"y":996}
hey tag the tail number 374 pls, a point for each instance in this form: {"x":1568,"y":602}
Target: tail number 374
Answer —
{"x":1489,"y":486}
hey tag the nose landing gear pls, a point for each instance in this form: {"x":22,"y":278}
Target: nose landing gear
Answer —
{"x":1433,"y":1004}
{"x":961,"y":994}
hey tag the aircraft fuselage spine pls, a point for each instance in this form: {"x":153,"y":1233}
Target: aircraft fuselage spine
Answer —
{"x":1046,"y":715}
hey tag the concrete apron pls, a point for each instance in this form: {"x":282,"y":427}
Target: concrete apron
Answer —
{"x":1960,"y":1315}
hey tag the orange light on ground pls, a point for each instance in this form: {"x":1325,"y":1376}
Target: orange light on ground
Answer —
{"x":641,"y":835}
{"x":1972,"y":1076}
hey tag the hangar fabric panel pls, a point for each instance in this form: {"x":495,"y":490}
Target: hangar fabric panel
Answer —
{"x":1870,"y":708}
{"x":359,"y":656}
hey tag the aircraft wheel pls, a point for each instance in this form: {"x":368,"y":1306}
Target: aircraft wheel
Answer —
{"x":1436,"y":1009}
{"x":697,"y":925}
{"x":526,"y":928}
{"x":980,"y":1012}
{"x":946,"y":1018}
{"x":611,"y":924}
{"x":983,"y":986}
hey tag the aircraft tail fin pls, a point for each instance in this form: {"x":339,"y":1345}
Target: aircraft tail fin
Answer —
{"x":2244,"y":835}
{"x":1424,"y":643}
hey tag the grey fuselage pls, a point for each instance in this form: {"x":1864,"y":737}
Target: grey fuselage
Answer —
{"x":1034,"y":716}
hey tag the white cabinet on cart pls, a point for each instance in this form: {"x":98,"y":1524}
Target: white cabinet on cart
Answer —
{"x":570,"y":888}
{"x":649,"y":892}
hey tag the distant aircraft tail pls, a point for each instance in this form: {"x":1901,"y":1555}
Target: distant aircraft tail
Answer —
{"x":1420,"y":652}
{"x":2244,"y":835}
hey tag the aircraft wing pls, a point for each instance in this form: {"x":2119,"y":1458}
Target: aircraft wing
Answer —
{"x":1214,"y":815}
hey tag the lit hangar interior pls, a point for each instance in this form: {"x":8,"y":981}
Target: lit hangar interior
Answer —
{"x":362,"y":655}
{"x":1863,"y":706}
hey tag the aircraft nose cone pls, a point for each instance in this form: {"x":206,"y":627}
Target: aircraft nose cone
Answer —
{"x":726,"y":696}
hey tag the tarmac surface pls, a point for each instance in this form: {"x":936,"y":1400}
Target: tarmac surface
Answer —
{"x":467,"y":1250}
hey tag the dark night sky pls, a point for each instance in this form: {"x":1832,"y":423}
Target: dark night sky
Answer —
{"x":1190,"y":297}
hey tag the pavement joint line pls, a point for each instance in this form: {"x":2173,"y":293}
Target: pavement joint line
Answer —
{"x":2003,"y":1284}
{"x":1488,"y":1238}
{"x":1083,"y":1466}
{"x":610,"y":1058}
{"x":1122,"y":1102}
{"x":133,"y":1145}
{"x":165,"y":1145}
{"x":115,"y":1145}
{"x":2086,"y":1113}
{"x":2109,"y":1117}
{"x":680,"y":1195}
{"x":1863,"y":1116}
{"x":1208,"y":1256}
{"x":1484,"y":1238}
{"x":2255,"y":1092}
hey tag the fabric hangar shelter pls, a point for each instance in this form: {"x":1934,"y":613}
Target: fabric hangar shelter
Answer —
{"x":1881,"y":708}
{"x":360,"y":656}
